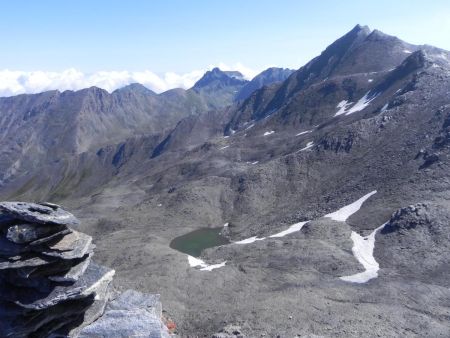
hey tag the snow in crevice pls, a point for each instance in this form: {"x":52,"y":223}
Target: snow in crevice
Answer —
{"x":344,"y":106}
{"x":344,"y":213}
{"x":268,"y":133}
{"x":199,"y":263}
{"x":256,"y":162}
{"x":385,"y":107}
{"x":227,"y":136}
{"x":407,"y":51}
{"x":250,"y":240}
{"x":250,"y":126}
{"x":304,"y":132}
{"x":308,"y":146}
{"x":370,"y":80}
{"x":224,"y":147}
{"x":363,"y":251}
{"x":362,"y":103}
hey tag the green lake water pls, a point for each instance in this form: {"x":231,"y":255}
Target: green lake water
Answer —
{"x":193,"y":243}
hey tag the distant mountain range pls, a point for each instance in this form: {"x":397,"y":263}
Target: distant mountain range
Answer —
{"x":367,"y":118}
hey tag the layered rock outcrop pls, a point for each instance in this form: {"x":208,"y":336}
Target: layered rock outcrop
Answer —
{"x":50,"y":287}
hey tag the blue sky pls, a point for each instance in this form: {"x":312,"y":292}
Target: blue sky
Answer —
{"x":182,"y":36}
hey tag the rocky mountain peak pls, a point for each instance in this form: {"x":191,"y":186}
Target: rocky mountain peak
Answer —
{"x":135,"y":88}
{"x":219,"y":77}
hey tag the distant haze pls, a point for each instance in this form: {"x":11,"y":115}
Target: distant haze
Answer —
{"x":20,"y":82}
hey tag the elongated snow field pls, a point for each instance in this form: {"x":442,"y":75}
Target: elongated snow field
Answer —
{"x":343,"y":213}
{"x":363,"y":251}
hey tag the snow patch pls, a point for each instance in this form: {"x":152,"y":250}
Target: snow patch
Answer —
{"x":256,"y":162}
{"x":362,"y":103}
{"x":250,"y":126}
{"x":225,"y":225}
{"x":226,"y":136}
{"x":293,"y":228}
{"x":225,"y":147}
{"x":407,"y":51}
{"x":343,"y":105}
{"x":384,"y":108}
{"x":304,"y":132}
{"x":344,"y":213}
{"x":370,"y":80}
{"x":363,"y":251}
{"x":250,"y":240}
{"x":268,"y":133}
{"x":197,"y":262}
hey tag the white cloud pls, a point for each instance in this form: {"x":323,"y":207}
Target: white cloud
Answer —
{"x":20,"y":82}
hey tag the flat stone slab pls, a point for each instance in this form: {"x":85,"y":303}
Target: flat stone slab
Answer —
{"x":25,"y":261}
{"x":55,"y":267}
{"x":42,"y":213}
{"x":14,"y":322}
{"x":54,"y":236}
{"x":31,"y":299}
{"x":74,"y":273}
{"x":74,"y":245}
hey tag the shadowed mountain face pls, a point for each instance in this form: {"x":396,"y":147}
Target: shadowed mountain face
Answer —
{"x":371,"y":113}
{"x":219,"y":86}
{"x":267,"y":77}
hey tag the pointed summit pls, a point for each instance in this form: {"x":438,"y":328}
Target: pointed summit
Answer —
{"x":217,"y":77}
{"x":134,"y":88}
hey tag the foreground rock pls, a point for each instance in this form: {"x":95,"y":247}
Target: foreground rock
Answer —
{"x":49,"y":286}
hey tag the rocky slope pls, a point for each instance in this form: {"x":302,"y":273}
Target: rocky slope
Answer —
{"x":367,"y":117}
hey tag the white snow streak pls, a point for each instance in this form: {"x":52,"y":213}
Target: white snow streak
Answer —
{"x":225,"y":147}
{"x":363,"y":251}
{"x":268,"y":133}
{"x":343,"y":213}
{"x":197,"y":262}
{"x":304,"y":132}
{"x":250,"y":240}
{"x":308,"y":145}
{"x":407,"y":51}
